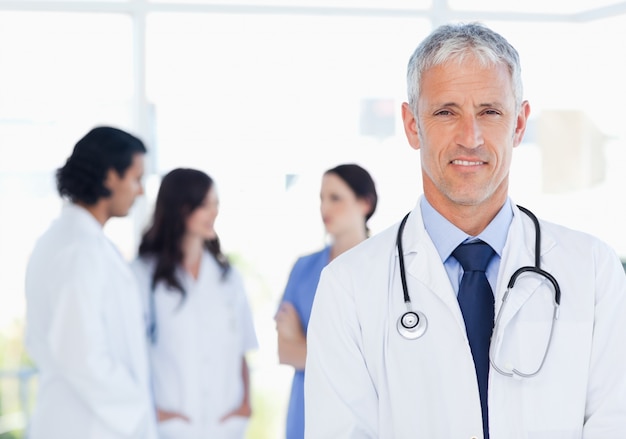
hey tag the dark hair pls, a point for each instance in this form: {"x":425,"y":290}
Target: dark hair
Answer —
{"x":83,"y":175}
{"x":181,"y":192}
{"x":361,"y":183}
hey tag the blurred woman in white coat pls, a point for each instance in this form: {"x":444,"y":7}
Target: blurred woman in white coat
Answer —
{"x":84,"y":326}
{"x":200,"y":323}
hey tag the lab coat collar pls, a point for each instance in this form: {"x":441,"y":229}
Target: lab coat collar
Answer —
{"x":87,"y":224}
{"x":81,"y":217}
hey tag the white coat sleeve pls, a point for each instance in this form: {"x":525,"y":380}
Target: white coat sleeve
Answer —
{"x":605,"y":414}
{"x":82,"y":352}
{"x":340,"y":397}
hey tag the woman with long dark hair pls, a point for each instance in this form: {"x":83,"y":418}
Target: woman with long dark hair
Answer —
{"x":200,"y":324}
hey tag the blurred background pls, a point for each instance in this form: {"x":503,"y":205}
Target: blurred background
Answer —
{"x":264,"y":95}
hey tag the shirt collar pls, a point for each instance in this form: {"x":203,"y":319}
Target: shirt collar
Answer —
{"x":446,"y":236}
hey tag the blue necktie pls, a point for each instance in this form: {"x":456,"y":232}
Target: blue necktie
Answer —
{"x":476,"y":302}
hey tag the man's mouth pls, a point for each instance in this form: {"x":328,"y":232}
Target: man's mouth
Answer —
{"x":467,"y":163}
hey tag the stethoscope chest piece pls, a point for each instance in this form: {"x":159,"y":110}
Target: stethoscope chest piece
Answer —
{"x":412,"y":325}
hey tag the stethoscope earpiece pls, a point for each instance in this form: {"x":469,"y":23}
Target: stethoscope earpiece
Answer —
{"x":412,"y":325}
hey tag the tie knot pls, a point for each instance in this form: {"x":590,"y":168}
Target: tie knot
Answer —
{"x":474,"y":256}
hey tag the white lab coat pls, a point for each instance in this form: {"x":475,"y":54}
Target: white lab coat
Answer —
{"x":363,"y":380}
{"x":85,"y":333}
{"x":197,"y":357}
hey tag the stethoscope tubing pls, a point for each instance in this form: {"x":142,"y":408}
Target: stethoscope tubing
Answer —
{"x":412,"y":324}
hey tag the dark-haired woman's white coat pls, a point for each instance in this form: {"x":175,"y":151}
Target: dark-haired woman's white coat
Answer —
{"x":200,"y":344}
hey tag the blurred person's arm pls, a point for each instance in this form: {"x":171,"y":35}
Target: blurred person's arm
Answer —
{"x":292,"y":347}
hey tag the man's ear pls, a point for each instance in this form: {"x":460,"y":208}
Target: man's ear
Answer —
{"x":520,"y":123}
{"x":111,"y":178}
{"x":410,"y":126}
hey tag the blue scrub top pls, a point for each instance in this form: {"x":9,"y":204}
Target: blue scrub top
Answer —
{"x":300,"y":291}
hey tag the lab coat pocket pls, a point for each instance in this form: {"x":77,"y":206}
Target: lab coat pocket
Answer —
{"x":175,"y":429}
{"x":234,"y":427}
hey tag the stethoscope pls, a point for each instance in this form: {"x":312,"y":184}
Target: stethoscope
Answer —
{"x":413,"y":324}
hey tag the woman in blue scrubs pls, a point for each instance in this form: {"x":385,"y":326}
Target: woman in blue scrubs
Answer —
{"x":347,"y":201}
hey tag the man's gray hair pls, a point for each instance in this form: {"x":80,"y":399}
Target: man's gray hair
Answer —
{"x":458,"y":42}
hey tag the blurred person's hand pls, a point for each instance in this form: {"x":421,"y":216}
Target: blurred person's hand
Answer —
{"x":164,"y":415}
{"x":288,"y":323}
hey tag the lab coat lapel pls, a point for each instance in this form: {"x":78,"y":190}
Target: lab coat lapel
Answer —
{"x":425,"y":265}
{"x":519,"y":251}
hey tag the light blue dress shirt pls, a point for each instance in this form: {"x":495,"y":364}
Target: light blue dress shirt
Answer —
{"x":446,"y":237}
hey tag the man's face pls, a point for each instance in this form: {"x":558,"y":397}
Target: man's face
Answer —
{"x":125,"y":189}
{"x":466,"y":128}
